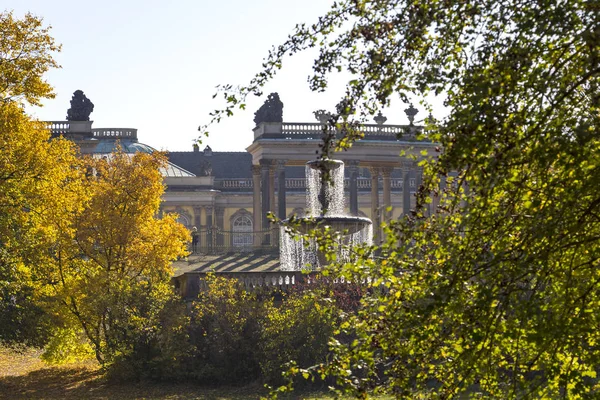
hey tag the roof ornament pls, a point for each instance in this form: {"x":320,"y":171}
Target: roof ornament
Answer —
{"x":322,"y":116}
{"x":81,"y":107}
{"x":270,"y":111}
{"x":206,"y":168}
{"x":410,"y":112}
{"x":380,"y":118}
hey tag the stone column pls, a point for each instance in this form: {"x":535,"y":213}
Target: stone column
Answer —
{"x":375,"y":201}
{"x":353,"y":174}
{"x":219,"y":213}
{"x":209,"y":227}
{"x":197,"y":216}
{"x":387,"y":192}
{"x":265,"y":167}
{"x":406,"y":190}
{"x":256,"y":206}
{"x":272,"y":198}
{"x":281,"y":192}
{"x":272,"y":188}
{"x":418,"y":183}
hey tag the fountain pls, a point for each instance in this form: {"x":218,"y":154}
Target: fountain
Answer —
{"x":325,"y":210}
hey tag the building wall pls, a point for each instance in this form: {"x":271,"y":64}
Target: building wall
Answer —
{"x":233,"y":203}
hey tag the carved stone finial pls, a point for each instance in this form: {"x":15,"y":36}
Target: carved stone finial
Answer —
{"x":411,"y":111}
{"x":270,"y":111}
{"x":322,"y":116}
{"x":81,"y":107}
{"x":380,"y":118}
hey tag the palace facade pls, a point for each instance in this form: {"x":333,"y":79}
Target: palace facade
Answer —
{"x":226,"y":196}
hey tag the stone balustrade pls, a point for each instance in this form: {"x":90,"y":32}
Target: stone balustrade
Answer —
{"x":300,"y":183}
{"x":190,"y":284}
{"x":115,"y":133}
{"x":295,"y":183}
{"x":58,"y":127}
{"x":314,"y":130}
{"x":85,"y":127}
{"x":293,"y":130}
{"x":363,"y":183}
{"x":236,"y":183}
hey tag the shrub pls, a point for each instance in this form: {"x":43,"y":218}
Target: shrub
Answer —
{"x":234,"y":337}
{"x":298,"y":330}
{"x":225,"y":333}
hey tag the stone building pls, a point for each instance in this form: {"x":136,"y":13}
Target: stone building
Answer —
{"x":227,"y":195}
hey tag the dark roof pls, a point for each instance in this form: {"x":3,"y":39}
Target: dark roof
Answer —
{"x":224,"y":165}
{"x":233,"y":165}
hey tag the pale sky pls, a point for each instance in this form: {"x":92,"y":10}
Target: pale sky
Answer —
{"x":154,"y":65}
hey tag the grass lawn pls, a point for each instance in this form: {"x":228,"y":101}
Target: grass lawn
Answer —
{"x":24,"y":376}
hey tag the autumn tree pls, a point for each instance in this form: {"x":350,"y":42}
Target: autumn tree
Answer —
{"x":496,"y":292}
{"x":111,"y":270}
{"x":82,"y":248}
{"x":26,"y":52}
{"x":38,"y":178}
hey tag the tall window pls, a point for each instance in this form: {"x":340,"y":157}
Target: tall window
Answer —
{"x":242,"y":231}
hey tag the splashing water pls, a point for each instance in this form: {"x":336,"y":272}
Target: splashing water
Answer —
{"x":325,"y":203}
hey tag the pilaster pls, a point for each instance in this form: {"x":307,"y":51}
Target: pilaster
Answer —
{"x":256,"y":205}
{"x":353,"y":175}
{"x":265,"y":172}
{"x":197,"y":216}
{"x":386,"y":172}
{"x":375,"y":201}
{"x":281,"y":192}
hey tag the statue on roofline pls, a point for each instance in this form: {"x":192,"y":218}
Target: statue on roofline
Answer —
{"x":270,"y":111}
{"x":81,"y":107}
{"x":205,"y":168}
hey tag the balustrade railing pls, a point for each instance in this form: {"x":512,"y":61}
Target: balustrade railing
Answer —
{"x":295,"y":183}
{"x":236,"y":183}
{"x":189,"y":285}
{"x":307,"y":130}
{"x":117,"y":133}
{"x":300,"y":183}
{"x":58,"y":127}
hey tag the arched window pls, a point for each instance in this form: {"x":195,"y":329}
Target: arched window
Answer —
{"x":183,"y":220}
{"x":241,"y":226}
{"x":184,"y":217}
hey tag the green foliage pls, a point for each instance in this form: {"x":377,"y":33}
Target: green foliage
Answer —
{"x":158,"y":353}
{"x":25,"y":55}
{"x":225,"y":332}
{"x":299,"y":330}
{"x":495,"y":292}
{"x":22,"y":319}
{"x":66,"y":345}
{"x":229,"y":336}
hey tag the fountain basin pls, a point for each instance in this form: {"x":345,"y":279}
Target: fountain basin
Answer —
{"x":344,"y":224}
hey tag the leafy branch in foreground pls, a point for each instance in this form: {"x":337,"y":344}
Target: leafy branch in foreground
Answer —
{"x":495,"y":292}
